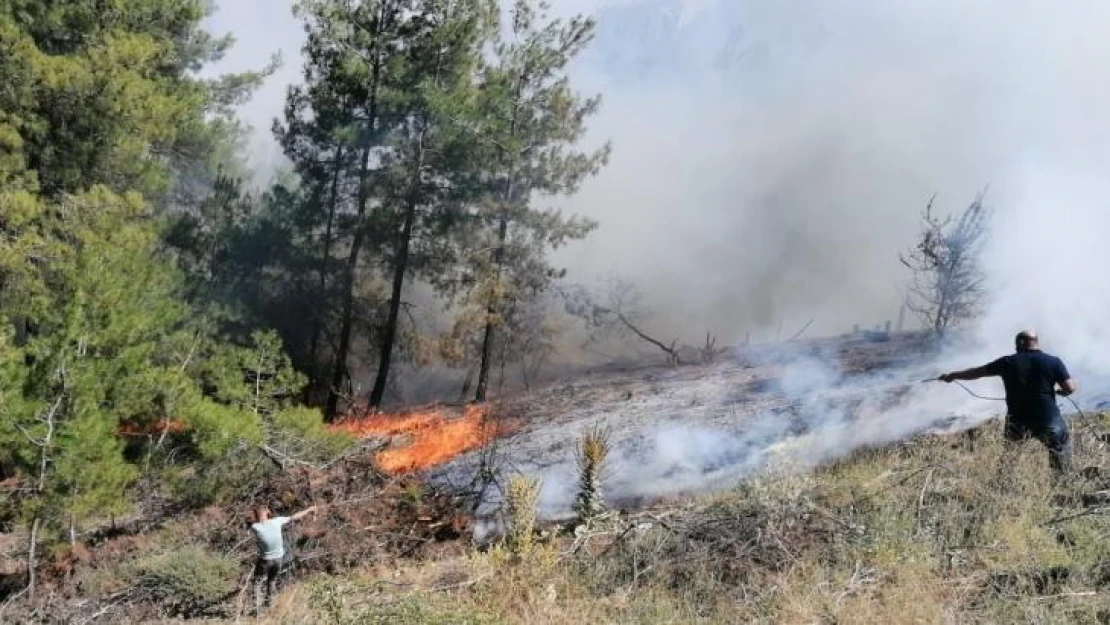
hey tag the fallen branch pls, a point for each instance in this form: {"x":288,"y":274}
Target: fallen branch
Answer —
{"x":99,"y":613}
{"x":799,"y":334}
{"x":242,"y":592}
{"x":1085,"y":593}
{"x":460,"y":585}
{"x":283,"y":460}
{"x":672,"y":353}
{"x":1078,"y":515}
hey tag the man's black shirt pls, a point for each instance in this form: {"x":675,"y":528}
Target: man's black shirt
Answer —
{"x":1030,"y":378}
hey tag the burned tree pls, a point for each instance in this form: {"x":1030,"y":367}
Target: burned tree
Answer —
{"x":947,"y":284}
{"x":623,"y":313}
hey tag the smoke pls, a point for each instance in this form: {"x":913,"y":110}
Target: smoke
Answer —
{"x":772,"y":157}
{"x":811,"y":413}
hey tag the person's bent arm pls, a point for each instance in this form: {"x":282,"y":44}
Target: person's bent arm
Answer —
{"x":967,"y":374}
{"x":1064,"y":379}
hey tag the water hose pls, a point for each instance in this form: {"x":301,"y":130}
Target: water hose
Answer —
{"x":978,"y":396}
{"x":1078,"y":410}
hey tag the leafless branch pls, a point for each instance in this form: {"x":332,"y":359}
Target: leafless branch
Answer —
{"x":799,"y":333}
{"x":625,"y":311}
{"x":947,"y":285}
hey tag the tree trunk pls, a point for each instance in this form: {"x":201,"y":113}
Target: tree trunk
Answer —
{"x":339,"y":372}
{"x":401,"y":263}
{"x":400,"y":268}
{"x":491,"y":312}
{"x":32,"y":545}
{"x":317,"y":323}
{"x":499,"y":251}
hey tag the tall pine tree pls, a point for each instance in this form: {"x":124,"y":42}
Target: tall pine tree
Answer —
{"x":354,"y":59}
{"x":529,"y":120}
{"x":426,"y":196}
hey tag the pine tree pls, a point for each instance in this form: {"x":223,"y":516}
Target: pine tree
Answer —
{"x":529,"y":121}
{"x":425,"y":207}
{"x":318,"y":133}
{"x":106,"y":95}
{"x":354,"y":60}
{"x":95,"y":313}
{"x":100,"y":115}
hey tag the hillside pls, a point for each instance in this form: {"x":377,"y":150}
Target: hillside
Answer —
{"x":728,"y":504}
{"x":935,"y":529}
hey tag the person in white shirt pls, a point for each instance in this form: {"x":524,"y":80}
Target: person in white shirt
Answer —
{"x":271,"y":548}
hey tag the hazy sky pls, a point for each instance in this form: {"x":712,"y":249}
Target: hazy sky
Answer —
{"x":771,"y":157}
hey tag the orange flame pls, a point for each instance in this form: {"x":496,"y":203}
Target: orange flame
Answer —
{"x":436,"y":435}
{"x":171,"y":426}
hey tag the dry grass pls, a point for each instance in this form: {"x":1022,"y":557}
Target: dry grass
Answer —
{"x":938,"y":530}
{"x":522,"y":494}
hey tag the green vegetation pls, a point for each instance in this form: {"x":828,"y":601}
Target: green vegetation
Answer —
{"x":167,"y":334}
{"x":190,"y":580}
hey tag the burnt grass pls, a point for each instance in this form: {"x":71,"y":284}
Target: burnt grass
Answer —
{"x":934,"y":529}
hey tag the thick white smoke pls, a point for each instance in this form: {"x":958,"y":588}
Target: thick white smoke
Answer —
{"x":772,"y":156}
{"x":677,"y":449}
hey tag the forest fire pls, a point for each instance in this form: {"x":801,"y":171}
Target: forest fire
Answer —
{"x":434,"y":435}
{"x":162,"y":426}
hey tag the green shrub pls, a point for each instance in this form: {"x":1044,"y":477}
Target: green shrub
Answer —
{"x":190,"y":580}
{"x":300,"y":432}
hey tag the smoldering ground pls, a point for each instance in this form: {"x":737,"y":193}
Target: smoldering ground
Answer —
{"x":683,"y":430}
{"x":686,"y":430}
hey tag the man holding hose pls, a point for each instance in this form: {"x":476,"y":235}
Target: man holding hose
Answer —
{"x":1030,"y":377}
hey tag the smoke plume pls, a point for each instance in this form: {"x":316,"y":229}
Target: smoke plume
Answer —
{"x":772,"y":157}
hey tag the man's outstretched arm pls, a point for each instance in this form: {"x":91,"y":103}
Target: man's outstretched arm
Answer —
{"x":302,"y":514}
{"x":967,"y":374}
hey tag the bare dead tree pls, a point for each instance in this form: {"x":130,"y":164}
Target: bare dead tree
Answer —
{"x":947,"y":285}
{"x":623,"y":313}
{"x":626,"y":309}
{"x":46,"y":446}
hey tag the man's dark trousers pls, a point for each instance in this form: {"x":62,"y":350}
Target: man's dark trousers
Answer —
{"x":1054,"y":434}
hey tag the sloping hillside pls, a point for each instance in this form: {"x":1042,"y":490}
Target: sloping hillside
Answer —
{"x":936,"y":529}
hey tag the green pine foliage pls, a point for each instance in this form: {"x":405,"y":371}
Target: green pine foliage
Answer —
{"x":528,"y":120}
{"x":165,"y":331}
{"x":109,"y":330}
